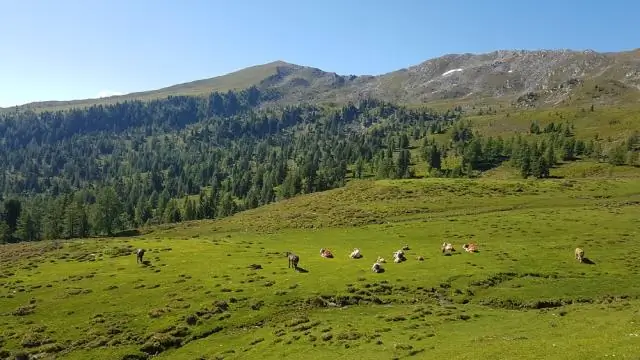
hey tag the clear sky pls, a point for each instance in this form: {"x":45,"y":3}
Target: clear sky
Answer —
{"x":70,"y":49}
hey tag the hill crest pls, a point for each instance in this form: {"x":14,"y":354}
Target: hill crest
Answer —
{"x":524,"y":78}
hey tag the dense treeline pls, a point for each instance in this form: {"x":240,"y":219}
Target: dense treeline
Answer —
{"x":468,"y":153}
{"x":107,"y":168}
{"x":104,"y":169}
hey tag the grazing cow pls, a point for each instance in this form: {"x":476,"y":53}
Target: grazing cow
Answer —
{"x":579,"y":254}
{"x":405,"y":247}
{"x":376,"y":268}
{"x":139,"y":255}
{"x":447,"y":248}
{"x":355,"y":254}
{"x":419,"y":258}
{"x":326,"y":253}
{"x":293,"y":260}
{"x":398,"y":256}
{"x":473,"y":247}
{"x":381,"y":260}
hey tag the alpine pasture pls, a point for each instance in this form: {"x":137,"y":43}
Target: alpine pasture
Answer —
{"x":223,"y":289}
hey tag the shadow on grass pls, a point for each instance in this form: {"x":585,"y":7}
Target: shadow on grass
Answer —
{"x":302,"y":270}
{"x":588,"y":261}
{"x":146,"y":263}
{"x":128,"y":233}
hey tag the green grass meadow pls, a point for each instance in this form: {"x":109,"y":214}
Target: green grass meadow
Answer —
{"x":523,"y":295}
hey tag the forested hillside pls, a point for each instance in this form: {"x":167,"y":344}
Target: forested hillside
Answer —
{"x":104,"y":169}
{"x":108,"y":168}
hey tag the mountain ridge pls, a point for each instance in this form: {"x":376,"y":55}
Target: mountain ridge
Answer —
{"x":524,"y":78}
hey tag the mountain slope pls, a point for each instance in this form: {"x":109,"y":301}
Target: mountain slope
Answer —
{"x":240,"y":79}
{"x":522,"y":78}
{"x":547,"y":76}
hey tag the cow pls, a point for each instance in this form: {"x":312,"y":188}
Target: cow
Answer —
{"x":447,"y":248}
{"x":579,"y":254}
{"x":293,"y":260}
{"x":139,"y":256}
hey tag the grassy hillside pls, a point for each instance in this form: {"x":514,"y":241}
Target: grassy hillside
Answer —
{"x":615,"y":122}
{"x":237,"y":80}
{"x":200,"y":294}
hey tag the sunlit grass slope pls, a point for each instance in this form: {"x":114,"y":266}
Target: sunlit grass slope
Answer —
{"x":222,"y":289}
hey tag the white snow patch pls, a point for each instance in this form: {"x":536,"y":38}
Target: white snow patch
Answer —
{"x":510,"y":71}
{"x":451,"y":72}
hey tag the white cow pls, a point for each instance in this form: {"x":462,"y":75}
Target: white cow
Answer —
{"x":579,"y":252}
{"x":398,"y":256}
{"x":447,"y":248}
{"x":355,"y":254}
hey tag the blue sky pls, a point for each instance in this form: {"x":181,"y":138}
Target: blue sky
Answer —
{"x":70,"y":49}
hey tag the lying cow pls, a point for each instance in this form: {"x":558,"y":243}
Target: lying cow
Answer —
{"x":447,"y":248}
{"x":326,"y":253}
{"x":473,"y":247}
{"x":355,"y":254}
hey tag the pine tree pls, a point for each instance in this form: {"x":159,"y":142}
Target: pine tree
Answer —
{"x":632,"y":158}
{"x":403,"y":142}
{"x":53,"y":219}
{"x":72,"y":221}
{"x":5,"y":232}
{"x":84,"y":228}
{"x":596,"y":153}
{"x":163,"y":200}
{"x":550,"y":156}
{"x":227,"y":205}
{"x":386,"y":168}
{"x":434,"y":157}
{"x":11,"y":213}
{"x":291,"y":185}
{"x":568,"y":148}
{"x":142,"y":212}
{"x":534,"y":128}
{"x":403,"y":163}
{"x":579,"y":148}
{"x":473,"y":154}
{"x":539,"y":166}
{"x":190,"y":212}
{"x":359,"y":169}
{"x":26,"y":227}
{"x":107,"y":211}
{"x":525,"y":160}
{"x":617,"y":155}
{"x":172,"y":212}
{"x":267,"y":194}
{"x":253,"y":198}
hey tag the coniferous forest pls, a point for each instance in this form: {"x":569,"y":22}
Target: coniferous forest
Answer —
{"x":108,"y":168}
